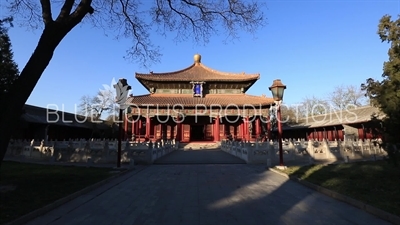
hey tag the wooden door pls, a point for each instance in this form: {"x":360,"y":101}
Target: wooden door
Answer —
{"x":221,"y":131}
{"x":163,"y":131}
{"x":157,"y":129}
{"x":209,"y":132}
{"x":186,"y":133}
{"x":174,"y":131}
{"x":232,"y":130}
{"x":168,"y":130}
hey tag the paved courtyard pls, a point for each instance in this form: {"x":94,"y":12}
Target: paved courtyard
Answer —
{"x":224,"y":194}
{"x":205,"y":156}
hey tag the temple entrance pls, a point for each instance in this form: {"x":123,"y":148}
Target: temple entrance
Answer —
{"x":197,"y":133}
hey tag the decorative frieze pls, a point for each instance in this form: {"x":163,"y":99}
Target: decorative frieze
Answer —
{"x":167,"y":91}
{"x":226,"y":91}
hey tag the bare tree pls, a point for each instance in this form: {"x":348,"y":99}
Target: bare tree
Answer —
{"x":134,"y":19}
{"x":311,"y":106}
{"x":341,"y":97}
{"x":94,"y":107}
{"x":290,"y":114}
{"x":111,"y":119}
{"x":345,"y":95}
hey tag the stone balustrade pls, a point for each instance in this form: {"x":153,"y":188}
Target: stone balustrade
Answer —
{"x":302,"y":151}
{"x":92,"y":151}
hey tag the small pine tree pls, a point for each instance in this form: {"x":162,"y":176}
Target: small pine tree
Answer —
{"x":8,"y":68}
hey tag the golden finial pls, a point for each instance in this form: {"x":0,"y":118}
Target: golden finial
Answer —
{"x":197,"y":58}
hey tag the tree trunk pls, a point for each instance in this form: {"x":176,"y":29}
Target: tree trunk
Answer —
{"x":20,"y":91}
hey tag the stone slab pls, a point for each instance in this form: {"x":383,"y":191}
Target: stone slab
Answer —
{"x":351,"y":201}
{"x":208,"y":194}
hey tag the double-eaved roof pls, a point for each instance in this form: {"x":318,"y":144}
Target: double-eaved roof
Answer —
{"x":198,"y":72}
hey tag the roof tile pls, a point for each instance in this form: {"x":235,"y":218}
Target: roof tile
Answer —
{"x":197,"y":72}
{"x":350,"y":116}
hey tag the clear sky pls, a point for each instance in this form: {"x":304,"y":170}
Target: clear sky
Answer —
{"x":312,"y":46}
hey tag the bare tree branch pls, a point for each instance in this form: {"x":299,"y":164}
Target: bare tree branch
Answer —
{"x":65,"y":10}
{"x":311,"y":106}
{"x":46,"y":11}
{"x":96,"y":106}
{"x":83,"y":8}
{"x":138,"y":19}
{"x":342,"y":96}
{"x":138,"y":31}
{"x":27,"y":12}
{"x":183,"y":15}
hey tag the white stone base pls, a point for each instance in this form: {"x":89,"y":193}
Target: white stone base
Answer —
{"x":281,"y":167}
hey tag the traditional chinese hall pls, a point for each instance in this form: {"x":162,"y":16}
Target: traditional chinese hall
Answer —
{"x":197,"y":103}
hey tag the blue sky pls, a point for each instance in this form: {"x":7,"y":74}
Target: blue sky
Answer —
{"x":312,"y":46}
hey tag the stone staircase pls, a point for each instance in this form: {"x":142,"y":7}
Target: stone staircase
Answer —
{"x":199,"y":146}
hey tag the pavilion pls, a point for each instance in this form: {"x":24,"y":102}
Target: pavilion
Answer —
{"x":197,"y":103}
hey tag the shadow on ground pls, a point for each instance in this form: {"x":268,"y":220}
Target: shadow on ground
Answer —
{"x":208,"y":194}
{"x":203,"y":156}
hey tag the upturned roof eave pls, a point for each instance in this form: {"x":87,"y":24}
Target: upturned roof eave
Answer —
{"x":167,"y":75}
{"x":168,"y":100}
{"x":253,"y":78}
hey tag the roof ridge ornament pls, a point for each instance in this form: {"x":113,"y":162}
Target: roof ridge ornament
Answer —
{"x":197,"y":58}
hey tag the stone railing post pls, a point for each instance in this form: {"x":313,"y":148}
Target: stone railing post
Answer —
{"x":326,"y":149}
{"x":106,"y":147}
{"x":31,"y":147}
{"x":292,"y":150}
{"x":310,"y":148}
{"x":361,"y":144}
{"x":353,"y":150}
{"x":150,"y":150}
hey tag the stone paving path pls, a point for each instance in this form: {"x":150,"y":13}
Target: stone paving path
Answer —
{"x":205,"y":194}
{"x":209,"y":156}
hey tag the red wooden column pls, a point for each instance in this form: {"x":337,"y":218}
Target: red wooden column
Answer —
{"x":178,"y":129}
{"x":241,"y":131}
{"x":361,"y":133}
{"x":258,"y":127}
{"x":246,"y":127}
{"x":125,"y":126}
{"x":133,"y":123}
{"x":268,"y":124}
{"x":340,"y":135}
{"x":140,"y":124}
{"x":223,"y":130}
{"x":147,"y":126}
{"x":216,"y":129}
{"x":138,"y":127}
{"x":244,"y":134}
